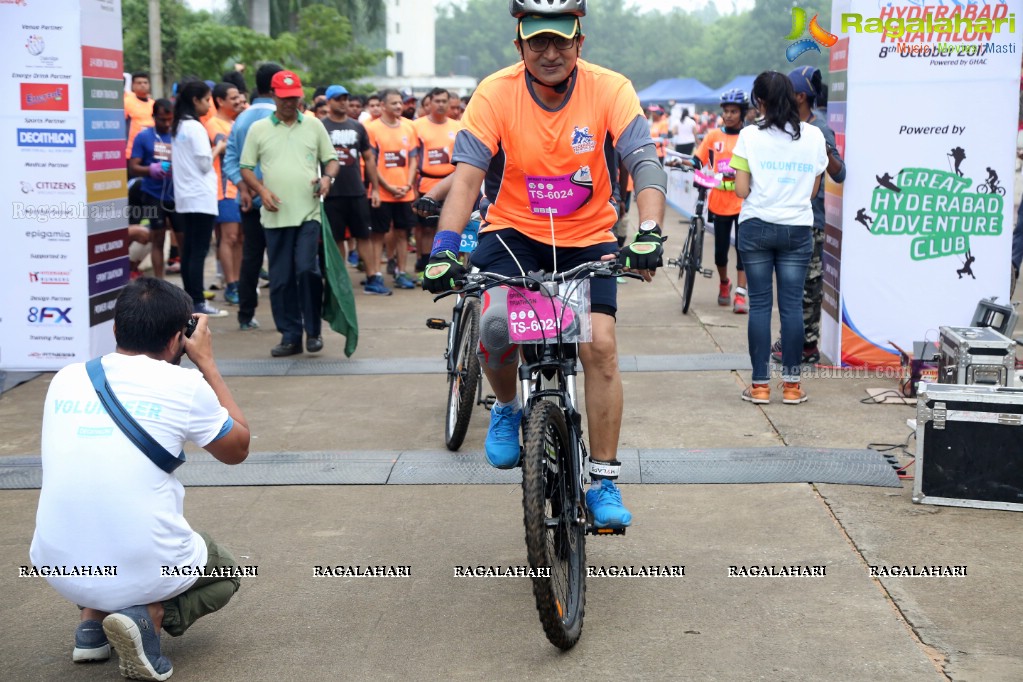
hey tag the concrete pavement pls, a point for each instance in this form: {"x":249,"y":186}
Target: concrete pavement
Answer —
{"x":288,"y":624}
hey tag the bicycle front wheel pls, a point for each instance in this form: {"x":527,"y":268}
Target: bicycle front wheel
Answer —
{"x":555,"y":542}
{"x":690,"y":262}
{"x":462,"y":382}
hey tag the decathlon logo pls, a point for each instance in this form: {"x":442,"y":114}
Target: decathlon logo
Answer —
{"x":818,"y":36}
{"x":46,"y":137}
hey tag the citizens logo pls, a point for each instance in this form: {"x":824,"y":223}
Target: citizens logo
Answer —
{"x":47,"y":187}
{"x":62,"y":277}
{"x":47,"y":137}
{"x":818,"y":36}
{"x":49,"y":316}
{"x":44,"y":97}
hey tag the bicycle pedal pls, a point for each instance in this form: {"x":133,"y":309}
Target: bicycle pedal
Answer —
{"x":437,"y":323}
{"x":593,"y":530}
{"x":489,"y":401}
{"x":673,"y":263}
{"x":708,"y":273}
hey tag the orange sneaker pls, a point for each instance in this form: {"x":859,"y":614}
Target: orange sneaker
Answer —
{"x":758,"y":394}
{"x":740,"y":306}
{"x":793,"y":394}
{"x":725,"y":292}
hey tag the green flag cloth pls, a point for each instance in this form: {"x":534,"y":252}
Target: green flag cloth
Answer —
{"x":338,"y":298}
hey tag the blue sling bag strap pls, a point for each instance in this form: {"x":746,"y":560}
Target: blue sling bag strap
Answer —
{"x":135,"y":433}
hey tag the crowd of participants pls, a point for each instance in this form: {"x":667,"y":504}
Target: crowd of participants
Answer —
{"x":196,"y":175}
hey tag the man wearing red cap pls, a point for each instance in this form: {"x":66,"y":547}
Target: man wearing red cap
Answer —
{"x":289,"y":147}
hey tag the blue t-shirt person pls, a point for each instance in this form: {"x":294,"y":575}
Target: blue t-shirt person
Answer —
{"x":151,"y":146}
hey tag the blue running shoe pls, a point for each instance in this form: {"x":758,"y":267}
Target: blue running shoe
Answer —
{"x":502,"y":445}
{"x":353,"y":258}
{"x":605,"y":503}
{"x":403,"y":281}
{"x":138,"y":644}
{"x":231,"y":293}
{"x":90,"y":643}
{"x":375,"y":285}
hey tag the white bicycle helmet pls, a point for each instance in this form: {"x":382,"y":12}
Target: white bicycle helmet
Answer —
{"x":521,"y":8}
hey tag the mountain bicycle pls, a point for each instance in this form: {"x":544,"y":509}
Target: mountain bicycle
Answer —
{"x":548,"y":317}
{"x":991,"y":186}
{"x":690,"y":260}
{"x":465,"y":376}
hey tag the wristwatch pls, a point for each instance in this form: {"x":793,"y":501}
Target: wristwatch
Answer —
{"x":649,"y":226}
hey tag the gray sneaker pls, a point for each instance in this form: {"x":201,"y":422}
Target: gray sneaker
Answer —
{"x":208,"y":310}
{"x":138,"y":644}
{"x":90,"y":643}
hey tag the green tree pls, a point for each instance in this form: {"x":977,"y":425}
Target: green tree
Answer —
{"x":208,"y":49}
{"x":174,"y":16}
{"x":325,"y":51}
{"x":364,"y":15}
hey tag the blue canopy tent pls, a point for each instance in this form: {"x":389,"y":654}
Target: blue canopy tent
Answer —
{"x":744,"y":83}
{"x":673,"y":89}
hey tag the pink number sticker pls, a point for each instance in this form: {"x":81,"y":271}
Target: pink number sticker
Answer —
{"x":532,"y":317}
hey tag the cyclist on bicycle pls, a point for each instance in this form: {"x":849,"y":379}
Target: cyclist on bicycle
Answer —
{"x":715,"y":152}
{"x":550,"y":120}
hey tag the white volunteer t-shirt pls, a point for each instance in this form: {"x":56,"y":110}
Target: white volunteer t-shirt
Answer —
{"x":783,"y":171}
{"x":195,"y":181}
{"x":686,"y":131}
{"x":103,"y":502}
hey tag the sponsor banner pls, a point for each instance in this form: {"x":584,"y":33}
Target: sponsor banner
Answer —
{"x":47,"y":138}
{"x":104,"y":216}
{"x":105,"y":124}
{"x":101,"y":307}
{"x":30,"y":189}
{"x":106,"y":246}
{"x":933,"y":212}
{"x":101,"y":23}
{"x":109,"y":275}
{"x":104,"y":155}
{"x":58,"y":278}
{"x":103,"y":93}
{"x":101,"y":62}
{"x":44,"y":96}
{"x":837,"y":87}
{"x":839,"y":52}
{"x":106,"y":185}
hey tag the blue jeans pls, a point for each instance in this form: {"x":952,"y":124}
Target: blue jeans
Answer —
{"x":296,"y":285}
{"x":775,"y":250}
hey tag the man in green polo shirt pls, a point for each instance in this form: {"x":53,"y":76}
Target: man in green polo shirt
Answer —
{"x":289,"y":147}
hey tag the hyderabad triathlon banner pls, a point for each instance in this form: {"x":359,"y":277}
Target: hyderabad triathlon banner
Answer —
{"x":63,"y":196}
{"x":923,"y":227}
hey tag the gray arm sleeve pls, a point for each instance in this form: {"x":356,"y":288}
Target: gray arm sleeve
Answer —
{"x":639,"y":156}
{"x":468,"y":149}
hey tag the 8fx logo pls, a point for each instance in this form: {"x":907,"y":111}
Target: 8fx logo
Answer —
{"x":49,"y":315}
{"x":818,"y":35}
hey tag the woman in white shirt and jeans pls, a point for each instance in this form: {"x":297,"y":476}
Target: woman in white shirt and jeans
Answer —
{"x":778,"y":165}
{"x":195,"y":189}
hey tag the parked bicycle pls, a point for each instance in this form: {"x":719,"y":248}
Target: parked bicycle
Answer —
{"x":690,"y":260}
{"x":548,"y":316}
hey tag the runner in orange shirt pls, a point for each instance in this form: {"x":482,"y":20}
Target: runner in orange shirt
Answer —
{"x":660,"y":130}
{"x":138,"y":107}
{"x":228,"y":228}
{"x":396,"y":145}
{"x":436,"y":144}
{"x":540,"y":134}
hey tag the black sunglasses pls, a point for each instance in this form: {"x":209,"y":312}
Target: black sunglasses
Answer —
{"x":540,"y":43}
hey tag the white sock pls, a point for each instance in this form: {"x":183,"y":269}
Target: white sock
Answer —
{"x":513,"y":403}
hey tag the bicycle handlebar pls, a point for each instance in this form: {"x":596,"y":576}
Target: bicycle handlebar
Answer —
{"x":684,"y":162}
{"x":481,"y":281}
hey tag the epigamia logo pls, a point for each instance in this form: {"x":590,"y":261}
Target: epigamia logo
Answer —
{"x":818,"y":36}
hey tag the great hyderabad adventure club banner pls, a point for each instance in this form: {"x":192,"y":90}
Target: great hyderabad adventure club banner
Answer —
{"x":925,"y":101}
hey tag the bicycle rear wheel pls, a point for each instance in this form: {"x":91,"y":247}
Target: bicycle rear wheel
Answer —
{"x":689,"y":265}
{"x":554,"y":540}
{"x":463,"y":381}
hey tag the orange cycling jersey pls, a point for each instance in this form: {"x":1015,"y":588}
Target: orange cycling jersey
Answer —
{"x":552,"y":165}
{"x":394,"y":148}
{"x":219,"y":128}
{"x":436,"y":143}
{"x":715,"y":152}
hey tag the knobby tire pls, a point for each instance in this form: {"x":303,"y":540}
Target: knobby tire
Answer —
{"x":560,"y":598}
{"x":689,"y":267}
{"x":462,"y":384}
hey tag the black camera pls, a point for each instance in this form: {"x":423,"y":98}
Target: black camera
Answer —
{"x":190,"y":327}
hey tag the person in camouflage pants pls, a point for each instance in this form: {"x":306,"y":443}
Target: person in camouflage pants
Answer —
{"x":806,"y":81}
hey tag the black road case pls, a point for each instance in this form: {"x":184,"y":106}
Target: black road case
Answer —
{"x":969,"y":444}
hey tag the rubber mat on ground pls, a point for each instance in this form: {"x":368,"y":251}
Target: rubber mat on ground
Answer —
{"x":440,"y":467}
